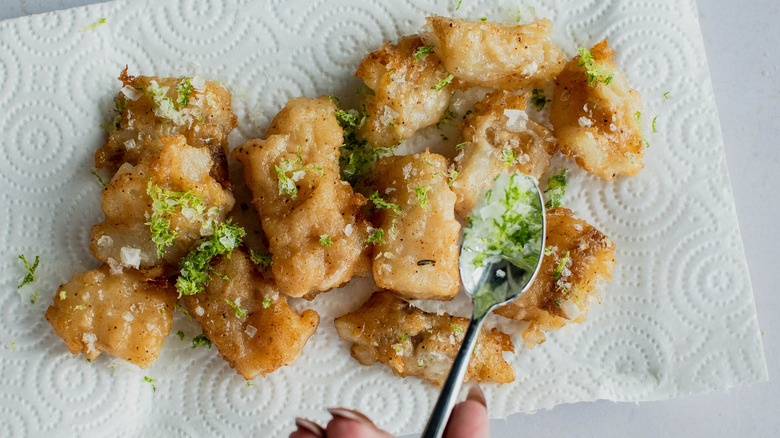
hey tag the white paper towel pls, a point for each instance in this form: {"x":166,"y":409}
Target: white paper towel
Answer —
{"x":677,"y":318}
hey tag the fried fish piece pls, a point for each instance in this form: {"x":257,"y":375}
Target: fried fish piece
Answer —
{"x":578,"y":258}
{"x":490,"y":55}
{"x":248,"y":320}
{"x":151,"y":108}
{"x":189,"y":199}
{"x":416,"y":343}
{"x":499,"y":138}
{"x":125,"y":315}
{"x":416,"y":255}
{"x":312,"y":220}
{"x":411,"y":91}
{"x":595,"y":115}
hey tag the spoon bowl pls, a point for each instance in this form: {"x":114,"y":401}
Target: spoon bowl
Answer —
{"x":500,"y":255}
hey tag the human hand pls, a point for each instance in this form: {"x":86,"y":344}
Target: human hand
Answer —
{"x":468,"y":420}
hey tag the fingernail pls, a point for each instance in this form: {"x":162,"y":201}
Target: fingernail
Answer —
{"x":349,"y":414}
{"x":310,"y":426}
{"x":475,"y":394}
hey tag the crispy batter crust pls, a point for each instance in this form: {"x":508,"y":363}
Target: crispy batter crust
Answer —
{"x":550,"y":303}
{"x":177,"y":167}
{"x":501,"y":57}
{"x":597,"y":125}
{"x":140,"y":131}
{"x":403,"y":100}
{"x":418,"y":256}
{"x":411,"y":342}
{"x":265,"y":333}
{"x":498,"y":128}
{"x":124,"y":315}
{"x":325,"y":205}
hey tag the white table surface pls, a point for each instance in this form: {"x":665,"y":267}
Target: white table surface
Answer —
{"x":742,"y":46}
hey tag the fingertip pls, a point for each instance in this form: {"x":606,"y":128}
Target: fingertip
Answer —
{"x":347,"y":428}
{"x":307,"y":429}
{"x":475,"y":394}
{"x":468,"y":420}
{"x":302,"y":434}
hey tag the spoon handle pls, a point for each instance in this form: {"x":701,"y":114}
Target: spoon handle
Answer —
{"x":451,"y":389}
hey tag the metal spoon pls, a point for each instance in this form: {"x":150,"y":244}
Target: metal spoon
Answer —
{"x":499,"y":280}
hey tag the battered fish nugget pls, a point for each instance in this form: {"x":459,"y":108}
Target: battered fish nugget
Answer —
{"x":248,"y":320}
{"x":316,"y":233}
{"x":124,"y":315}
{"x":416,"y":252}
{"x":578,"y":258}
{"x":493,"y":56}
{"x":311,"y":123}
{"x":411,"y":91}
{"x":498,"y":138}
{"x":151,"y":108}
{"x":595,"y":115}
{"x":142,"y":233}
{"x":415,"y":343}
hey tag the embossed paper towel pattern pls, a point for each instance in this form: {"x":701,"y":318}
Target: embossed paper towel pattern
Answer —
{"x":677,"y":318}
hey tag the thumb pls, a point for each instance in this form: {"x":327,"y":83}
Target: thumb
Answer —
{"x":469,"y":418}
{"x":347,"y":423}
